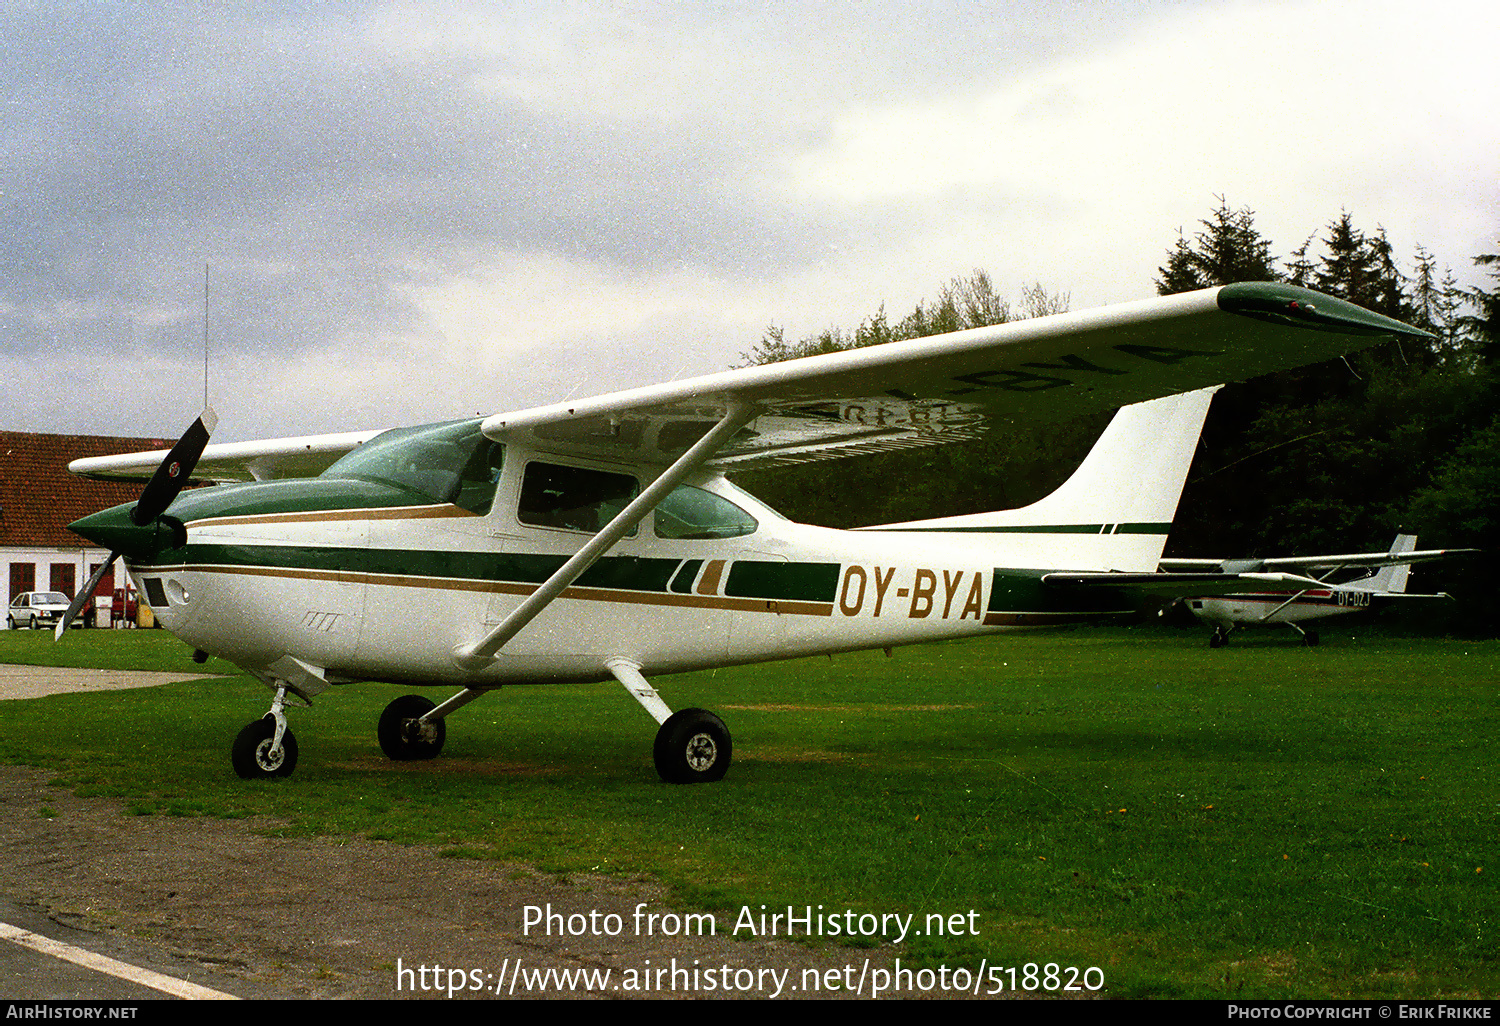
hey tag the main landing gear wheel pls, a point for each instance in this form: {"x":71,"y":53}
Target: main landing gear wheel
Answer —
{"x":1218,"y":639}
{"x":254,"y":756}
{"x":403,"y":736}
{"x":692,"y":747}
{"x":1310,"y":639}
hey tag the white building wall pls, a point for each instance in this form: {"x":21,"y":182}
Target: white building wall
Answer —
{"x":43,"y":559}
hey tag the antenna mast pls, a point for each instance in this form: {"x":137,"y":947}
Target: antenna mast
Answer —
{"x":205,"y":336}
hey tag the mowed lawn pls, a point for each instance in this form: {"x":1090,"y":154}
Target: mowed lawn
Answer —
{"x":1265,"y":820}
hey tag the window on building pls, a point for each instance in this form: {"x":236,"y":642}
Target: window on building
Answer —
{"x":62,"y":577}
{"x":22,"y":579}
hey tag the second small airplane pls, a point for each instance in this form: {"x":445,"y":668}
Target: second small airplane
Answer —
{"x":1382,"y":578}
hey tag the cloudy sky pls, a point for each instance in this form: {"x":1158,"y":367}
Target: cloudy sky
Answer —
{"x":412,"y":212}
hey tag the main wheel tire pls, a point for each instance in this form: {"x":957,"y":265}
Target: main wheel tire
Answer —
{"x":1216,"y":640}
{"x":402,"y":738}
{"x":253,"y":757}
{"x":1311,"y":639}
{"x":692,"y":747}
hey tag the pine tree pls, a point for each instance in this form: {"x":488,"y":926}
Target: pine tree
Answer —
{"x":1483,"y":328}
{"x":1229,"y":249}
{"x":1435,"y":299}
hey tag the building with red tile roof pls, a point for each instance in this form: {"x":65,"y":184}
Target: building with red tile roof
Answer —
{"x":39,"y":499}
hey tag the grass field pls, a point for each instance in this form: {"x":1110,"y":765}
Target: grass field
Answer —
{"x":1261,"y":821}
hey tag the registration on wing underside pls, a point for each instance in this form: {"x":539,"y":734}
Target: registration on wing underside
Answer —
{"x":787,"y":435}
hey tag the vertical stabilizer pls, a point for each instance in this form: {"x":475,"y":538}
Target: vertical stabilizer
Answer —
{"x":1116,"y":509}
{"x":1393,"y":578}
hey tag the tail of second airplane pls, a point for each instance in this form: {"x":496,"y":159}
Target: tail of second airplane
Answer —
{"x":1114,"y":512}
{"x":1392,"y":578}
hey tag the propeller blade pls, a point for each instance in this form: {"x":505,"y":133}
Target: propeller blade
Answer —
{"x":175,"y":470}
{"x":83,"y":596}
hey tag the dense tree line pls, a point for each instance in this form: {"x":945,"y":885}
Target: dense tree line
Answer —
{"x":1340,"y":456}
{"x":1337,"y":457}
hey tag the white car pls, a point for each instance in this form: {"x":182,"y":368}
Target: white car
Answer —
{"x":38,"y":609}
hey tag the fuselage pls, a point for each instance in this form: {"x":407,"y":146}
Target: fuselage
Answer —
{"x":1229,"y":611}
{"x":381,"y":578}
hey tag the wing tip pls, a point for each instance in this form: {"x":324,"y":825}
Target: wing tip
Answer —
{"x":1281,"y":303}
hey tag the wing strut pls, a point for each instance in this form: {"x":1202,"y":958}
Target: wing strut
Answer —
{"x":1294,"y":598}
{"x":475,"y":656}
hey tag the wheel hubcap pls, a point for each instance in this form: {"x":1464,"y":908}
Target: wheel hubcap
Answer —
{"x":701,"y":752}
{"x":268,"y":758}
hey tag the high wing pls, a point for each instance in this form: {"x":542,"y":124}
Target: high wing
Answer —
{"x":307,"y":456}
{"x":949,"y":388}
{"x":925,"y":391}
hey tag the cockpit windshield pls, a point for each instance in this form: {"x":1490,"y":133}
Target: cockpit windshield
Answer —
{"x":451,"y":462}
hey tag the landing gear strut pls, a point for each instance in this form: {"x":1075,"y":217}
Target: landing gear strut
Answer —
{"x":405,"y":735}
{"x":1309,"y":638}
{"x":266,"y":749}
{"x":692,"y":746}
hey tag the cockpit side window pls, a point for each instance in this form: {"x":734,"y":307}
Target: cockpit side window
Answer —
{"x":574,"y":498}
{"x":690,"y":512}
{"x":445,"y":462}
{"x":476,"y":483}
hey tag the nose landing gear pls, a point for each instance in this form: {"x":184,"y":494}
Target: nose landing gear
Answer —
{"x":266,"y":749}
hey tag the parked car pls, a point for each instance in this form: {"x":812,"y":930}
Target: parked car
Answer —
{"x":38,"y":609}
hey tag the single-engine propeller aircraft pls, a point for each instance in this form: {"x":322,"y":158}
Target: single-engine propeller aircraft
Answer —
{"x":1382,"y":580}
{"x":599,"y":538}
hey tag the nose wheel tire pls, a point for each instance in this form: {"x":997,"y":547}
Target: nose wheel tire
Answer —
{"x":254,"y":755}
{"x":692,"y":747}
{"x":402,"y":735}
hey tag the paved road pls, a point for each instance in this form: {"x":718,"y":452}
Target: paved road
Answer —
{"x":36,"y":681}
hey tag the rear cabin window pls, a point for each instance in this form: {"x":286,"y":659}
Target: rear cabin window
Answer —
{"x":690,"y":512}
{"x":574,"y":498}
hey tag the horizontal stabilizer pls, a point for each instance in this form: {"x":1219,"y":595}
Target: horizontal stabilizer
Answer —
{"x":1181,"y":585}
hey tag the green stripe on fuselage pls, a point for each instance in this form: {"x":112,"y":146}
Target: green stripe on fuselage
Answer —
{"x":292,"y":496}
{"x":627,"y":572}
{"x":774,"y":579}
{"x":806,"y":582}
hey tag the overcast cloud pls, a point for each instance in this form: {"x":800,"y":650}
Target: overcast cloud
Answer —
{"x":413,"y":212}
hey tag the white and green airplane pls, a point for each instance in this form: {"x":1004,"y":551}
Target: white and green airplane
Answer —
{"x":600,"y":539}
